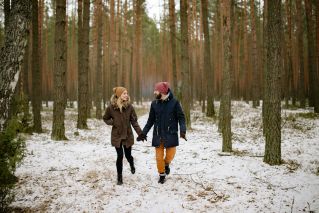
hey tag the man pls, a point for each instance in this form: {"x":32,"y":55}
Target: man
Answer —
{"x":165,"y":114}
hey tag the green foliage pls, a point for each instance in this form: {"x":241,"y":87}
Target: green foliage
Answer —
{"x":12,"y":149}
{"x":308,"y":115}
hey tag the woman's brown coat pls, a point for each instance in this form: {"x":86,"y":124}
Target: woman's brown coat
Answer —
{"x":121,"y":123}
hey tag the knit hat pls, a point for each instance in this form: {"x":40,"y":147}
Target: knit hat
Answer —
{"x":162,"y":87}
{"x":118,"y":91}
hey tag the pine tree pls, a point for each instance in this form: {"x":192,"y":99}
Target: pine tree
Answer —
{"x":172,"y":26}
{"x":207,"y":62}
{"x":36,"y":72}
{"x":99,"y":60}
{"x":227,"y":7}
{"x":313,"y":75}
{"x":11,"y":54}
{"x":302,"y":95}
{"x":272,"y":87}
{"x":185,"y":62}
{"x":60,"y":67}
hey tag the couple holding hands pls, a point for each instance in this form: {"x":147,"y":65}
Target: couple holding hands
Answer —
{"x":165,"y":114}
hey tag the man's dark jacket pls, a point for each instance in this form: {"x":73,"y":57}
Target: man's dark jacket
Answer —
{"x":165,"y":116}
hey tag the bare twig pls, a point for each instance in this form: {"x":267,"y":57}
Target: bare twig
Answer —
{"x":201,"y":183}
{"x":292,"y":205}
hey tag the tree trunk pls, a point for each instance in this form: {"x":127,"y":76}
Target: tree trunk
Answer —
{"x":25,"y":82}
{"x":113,"y":50}
{"x":11,"y":55}
{"x":99,"y":61}
{"x":265,"y":40}
{"x":36,"y":72}
{"x":172,"y":21}
{"x":60,"y":67}
{"x":273,"y":91}
{"x":256,"y":70}
{"x":137,"y":54}
{"x":226,"y":82}
{"x":289,"y":71}
{"x":85,"y":55}
{"x":207,"y":63}
{"x":82,"y":74}
{"x":246,"y":56}
{"x":313,"y":76}
{"x":185,"y":62}
{"x":302,"y":96}
{"x":6,"y":10}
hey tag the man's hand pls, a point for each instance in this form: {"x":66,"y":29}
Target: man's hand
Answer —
{"x":183,"y":135}
{"x":141,"y":137}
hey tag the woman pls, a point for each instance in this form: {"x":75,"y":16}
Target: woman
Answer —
{"x":120,"y":114}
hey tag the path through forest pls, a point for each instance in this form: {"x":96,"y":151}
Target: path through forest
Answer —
{"x":79,"y":175}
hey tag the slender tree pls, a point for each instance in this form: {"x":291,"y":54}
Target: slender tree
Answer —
{"x":60,"y":66}
{"x":207,"y":62}
{"x":289,"y":71}
{"x":85,"y":55}
{"x":36,"y":72}
{"x":185,"y":61}
{"x":138,"y":53}
{"x":172,"y":21}
{"x":246,"y":66}
{"x":273,"y":92}
{"x":113,"y":50}
{"x":226,"y":82}
{"x":98,"y":94}
{"x":256,"y":70}
{"x":313,"y":75}
{"x":302,"y":96}
{"x":82,"y":75}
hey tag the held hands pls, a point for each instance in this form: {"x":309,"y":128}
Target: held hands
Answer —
{"x":141,"y":137}
{"x":183,"y":135}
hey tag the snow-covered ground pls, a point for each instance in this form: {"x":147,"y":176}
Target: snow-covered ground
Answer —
{"x":79,"y":175}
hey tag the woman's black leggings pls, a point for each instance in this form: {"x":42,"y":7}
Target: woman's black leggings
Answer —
{"x":128,"y":156}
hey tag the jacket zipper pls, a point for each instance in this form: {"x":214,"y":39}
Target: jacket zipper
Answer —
{"x":157,"y":130}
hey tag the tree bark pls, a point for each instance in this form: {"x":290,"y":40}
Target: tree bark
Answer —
{"x":138,"y":53}
{"x":6,"y":10}
{"x":256,"y":70}
{"x":99,"y":61}
{"x":113,"y":50}
{"x":207,"y":62}
{"x":185,"y":62}
{"x":11,"y":55}
{"x":313,"y":76}
{"x":60,"y":67}
{"x":82,"y":74}
{"x":85,"y":55}
{"x":226,"y":82}
{"x":289,"y":71}
{"x":302,"y":95}
{"x":273,"y":91}
{"x":172,"y":26}
{"x":36,"y":72}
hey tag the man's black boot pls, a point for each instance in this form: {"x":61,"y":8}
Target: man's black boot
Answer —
{"x":167,"y":169}
{"x":162,"y":178}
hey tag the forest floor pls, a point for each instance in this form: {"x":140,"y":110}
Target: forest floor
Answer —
{"x":79,"y":175}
